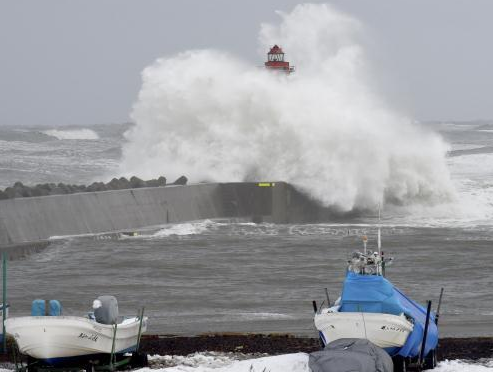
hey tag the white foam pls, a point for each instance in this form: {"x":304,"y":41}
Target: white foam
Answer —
{"x":263,"y":316}
{"x":211,"y":116}
{"x":465,"y":146}
{"x":471,"y":206}
{"x":474,"y":186}
{"x":72,"y":134}
{"x":183,"y":229}
{"x":475,"y":165}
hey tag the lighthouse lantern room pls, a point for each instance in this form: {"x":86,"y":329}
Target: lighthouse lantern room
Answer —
{"x":275,"y":60}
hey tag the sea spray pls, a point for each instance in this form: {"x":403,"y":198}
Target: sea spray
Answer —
{"x":212,"y":116}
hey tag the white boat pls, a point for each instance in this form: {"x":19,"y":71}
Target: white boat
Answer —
{"x":55,"y":338}
{"x":370,"y":307}
{"x":384,"y":330}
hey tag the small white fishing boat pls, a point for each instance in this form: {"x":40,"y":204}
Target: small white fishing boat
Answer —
{"x":370,"y":307}
{"x":384,"y":330}
{"x":52,"y":338}
{"x":55,"y":340}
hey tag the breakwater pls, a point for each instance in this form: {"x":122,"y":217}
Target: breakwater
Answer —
{"x":33,"y":220}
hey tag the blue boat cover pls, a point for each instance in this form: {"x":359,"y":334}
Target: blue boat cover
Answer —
{"x":375,"y":294}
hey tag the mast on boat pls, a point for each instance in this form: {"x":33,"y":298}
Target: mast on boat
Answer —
{"x":370,"y":262}
{"x":379,"y":237}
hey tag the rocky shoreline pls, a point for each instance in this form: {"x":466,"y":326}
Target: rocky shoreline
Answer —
{"x":247,"y":346}
{"x":19,"y":190}
{"x":274,"y":344}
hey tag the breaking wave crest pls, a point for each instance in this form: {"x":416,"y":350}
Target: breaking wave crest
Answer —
{"x":212,"y":116}
{"x":184,"y":229}
{"x":72,"y":134}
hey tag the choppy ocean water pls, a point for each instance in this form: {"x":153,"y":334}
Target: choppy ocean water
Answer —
{"x":215,"y":276}
{"x":69,"y":155}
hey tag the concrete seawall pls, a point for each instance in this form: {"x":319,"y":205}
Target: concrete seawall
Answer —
{"x":28,"y":221}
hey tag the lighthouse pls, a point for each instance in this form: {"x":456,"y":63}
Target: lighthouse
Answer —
{"x":276,"y":62}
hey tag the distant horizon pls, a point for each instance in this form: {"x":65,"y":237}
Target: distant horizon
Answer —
{"x":431,"y":121}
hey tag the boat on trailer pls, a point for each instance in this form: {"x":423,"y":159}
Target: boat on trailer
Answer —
{"x":384,"y":330}
{"x":57,"y":339}
{"x":370,"y":307}
{"x":61,"y":341}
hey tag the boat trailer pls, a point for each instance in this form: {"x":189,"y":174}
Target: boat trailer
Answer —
{"x":91,"y":363}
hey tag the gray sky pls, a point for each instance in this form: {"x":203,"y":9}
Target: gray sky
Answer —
{"x":68,"y":62}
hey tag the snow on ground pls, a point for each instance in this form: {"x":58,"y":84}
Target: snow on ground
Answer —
{"x":236,"y":362}
{"x":222,"y":362}
{"x":462,"y":366}
{"x":209,"y":359}
{"x":209,"y":363}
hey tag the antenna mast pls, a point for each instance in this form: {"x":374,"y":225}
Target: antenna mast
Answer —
{"x":379,"y":239}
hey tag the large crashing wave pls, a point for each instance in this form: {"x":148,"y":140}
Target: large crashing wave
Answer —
{"x":211,"y":116}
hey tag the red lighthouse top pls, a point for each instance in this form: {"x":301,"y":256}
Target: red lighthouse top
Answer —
{"x":275,"y":60}
{"x":276,"y":49}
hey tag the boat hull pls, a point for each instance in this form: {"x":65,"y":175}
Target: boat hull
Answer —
{"x":63,"y":337}
{"x":384,"y":330}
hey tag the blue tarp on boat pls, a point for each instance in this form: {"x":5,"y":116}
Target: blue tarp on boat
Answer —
{"x":375,"y":294}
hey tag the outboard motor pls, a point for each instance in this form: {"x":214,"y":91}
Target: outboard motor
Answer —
{"x":105,"y":310}
{"x":351,"y":355}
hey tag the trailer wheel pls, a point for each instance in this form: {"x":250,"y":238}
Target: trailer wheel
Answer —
{"x":32,"y":364}
{"x":139,"y":360}
{"x":430,"y":360}
{"x":399,"y":364}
